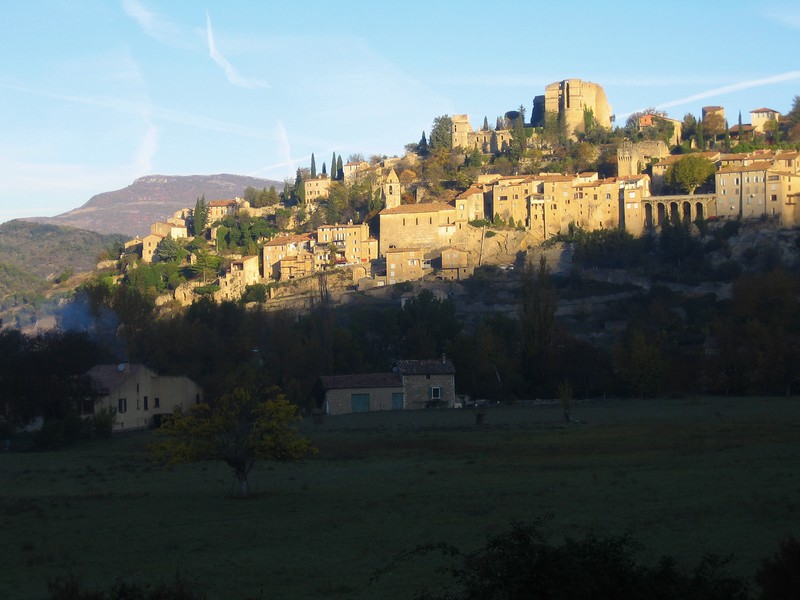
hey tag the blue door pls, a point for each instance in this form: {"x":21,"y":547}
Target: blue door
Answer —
{"x":397,"y":401}
{"x":359,"y":402}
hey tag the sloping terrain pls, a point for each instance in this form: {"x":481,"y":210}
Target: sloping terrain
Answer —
{"x":131,"y":210}
{"x":34,"y":255}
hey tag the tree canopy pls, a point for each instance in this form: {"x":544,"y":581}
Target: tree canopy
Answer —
{"x":238,"y":428}
{"x":441,"y":133}
{"x":690,"y":172}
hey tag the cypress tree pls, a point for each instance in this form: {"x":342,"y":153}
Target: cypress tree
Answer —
{"x":324,"y":173}
{"x":339,"y":168}
{"x":200,"y":215}
{"x":485,"y":124}
{"x":333,"y":166}
{"x":313,"y":167}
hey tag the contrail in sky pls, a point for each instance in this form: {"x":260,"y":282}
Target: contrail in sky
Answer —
{"x":725,"y":89}
{"x":231,"y":73}
{"x":735,"y":87}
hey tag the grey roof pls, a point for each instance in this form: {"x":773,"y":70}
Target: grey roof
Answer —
{"x":110,"y":377}
{"x":435,"y":366}
{"x":361,"y":381}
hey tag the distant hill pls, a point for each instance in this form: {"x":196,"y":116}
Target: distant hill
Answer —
{"x":33,"y":255}
{"x":131,"y":210}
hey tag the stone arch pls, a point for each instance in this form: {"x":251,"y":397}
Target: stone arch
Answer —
{"x":662,"y":213}
{"x":687,"y":212}
{"x":700,"y":211}
{"x":648,"y":216}
{"x":359,"y":272}
{"x":674,"y":214}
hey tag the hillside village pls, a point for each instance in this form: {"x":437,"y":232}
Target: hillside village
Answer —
{"x":416,"y":227}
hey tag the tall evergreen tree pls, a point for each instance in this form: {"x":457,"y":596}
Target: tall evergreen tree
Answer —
{"x":313,"y":167}
{"x":339,"y":168}
{"x":200,"y":215}
{"x":333,"y":166}
{"x":299,"y":188}
{"x":324,"y":172}
{"x":422,"y":147}
{"x":728,"y":135}
{"x":485,"y":124}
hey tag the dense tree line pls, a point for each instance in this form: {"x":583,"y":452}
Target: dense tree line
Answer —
{"x":671,"y":344}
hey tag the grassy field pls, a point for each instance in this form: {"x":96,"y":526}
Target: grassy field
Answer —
{"x":685,"y":477}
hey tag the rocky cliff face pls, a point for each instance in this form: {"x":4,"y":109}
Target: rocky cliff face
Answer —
{"x":131,"y":210}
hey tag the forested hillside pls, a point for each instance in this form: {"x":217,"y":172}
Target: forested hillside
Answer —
{"x":33,"y":257}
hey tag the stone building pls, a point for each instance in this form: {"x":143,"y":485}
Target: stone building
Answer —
{"x":351,"y":242}
{"x":488,"y":141}
{"x":219,"y":209}
{"x":364,"y":392}
{"x":138,"y":397}
{"x":404,"y":264}
{"x":569,"y":99}
{"x":391,"y":190}
{"x":762,"y":118}
{"x":427,"y":226}
{"x":428,"y":383}
{"x":243,"y":272}
{"x":456,"y":264}
{"x":283,"y":247}
{"x":633,"y":158}
{"x":316,"y":188}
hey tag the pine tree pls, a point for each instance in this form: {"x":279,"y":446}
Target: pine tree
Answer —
{"x":313,"y":167}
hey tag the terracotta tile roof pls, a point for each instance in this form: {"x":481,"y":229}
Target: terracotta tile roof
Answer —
{"x":222,"y":203}
{"x":472,"y":190}
{"x":398,"y":250}
{"x":361,"y":381}
{"x":289,"y":239}
{"x":757,"y":166}
{"x":425,"y":207}
{"x":759,"y":110}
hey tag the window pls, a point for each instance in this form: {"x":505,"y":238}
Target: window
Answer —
{"x":436,"y":393}
{"x":144,"y":405}
{"x":122,"y":405}
{"x":156,"y":402}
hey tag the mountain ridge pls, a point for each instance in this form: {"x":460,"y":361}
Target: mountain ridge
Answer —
{"x":131,"y":210}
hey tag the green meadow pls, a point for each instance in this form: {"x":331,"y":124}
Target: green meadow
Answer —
{"x":686,"y":477}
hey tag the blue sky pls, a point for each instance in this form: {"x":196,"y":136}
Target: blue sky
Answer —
{"x":94,"y":93}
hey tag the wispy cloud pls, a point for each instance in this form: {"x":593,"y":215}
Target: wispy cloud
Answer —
{"x":785,"y":15}
{"x":725,"y":89}
{"x":148,"y":146}
{"x":150,"y":23}
{"x":230,"y":72}
{"x":735,"y":87}
{"x":134,"y":108}
{"x":287,"y":164}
